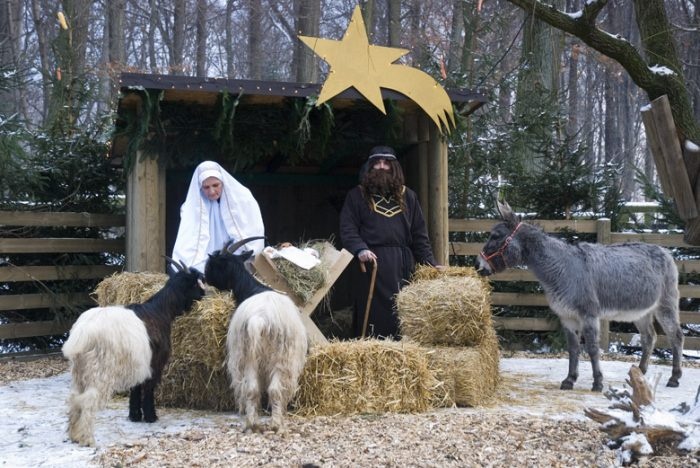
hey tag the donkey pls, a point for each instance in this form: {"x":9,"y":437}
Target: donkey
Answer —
{"x":584,"y":283}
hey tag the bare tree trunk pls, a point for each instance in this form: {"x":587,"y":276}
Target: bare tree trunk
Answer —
{"x":177,"y":62}
{"x":10,"y":30}
{"x":254,"y":61}
{"x":42,"y":44}
{"x":456,"y":41}
{"x":307,"y":17}
{"x":114,"y":51}
{"x":228,"y":47}
{"x":152,"y":26}
{"x":394,"y":23}
{"x":368,"y":14}
{"x":201,"y":38}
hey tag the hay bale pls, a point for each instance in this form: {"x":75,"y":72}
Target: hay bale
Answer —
{"x":195,"y":376}
{"x":447,"y":311}
{"x":426,"y":272}
{"x":126,"y":288}
{"x":366,"y":376}
{"x":470,"y":374}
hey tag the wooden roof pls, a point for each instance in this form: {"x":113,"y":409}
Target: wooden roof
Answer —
{"x":205,"y":91}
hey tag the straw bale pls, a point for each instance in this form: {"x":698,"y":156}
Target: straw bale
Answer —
{"x":366,"y":376}
{"x":447,"y":311}
{"x":126,"y":288}
{"x":196,"y":376}
{"x":426,"y":272}
{"x":470,"y":374}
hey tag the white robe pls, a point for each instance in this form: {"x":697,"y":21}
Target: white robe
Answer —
{"x":205,"y":225}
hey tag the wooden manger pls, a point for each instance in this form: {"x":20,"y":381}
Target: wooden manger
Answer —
{"x":336,"y":262}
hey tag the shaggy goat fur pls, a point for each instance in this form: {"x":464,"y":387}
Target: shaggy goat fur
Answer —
{"x":266,"y":342}
{"x":584,"y":283}
{"x":116,"y":348}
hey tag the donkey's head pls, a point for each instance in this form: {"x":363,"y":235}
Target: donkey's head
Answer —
{"x":502,"y":248}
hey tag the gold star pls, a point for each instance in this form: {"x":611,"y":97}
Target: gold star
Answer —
{"x":355,"y":63}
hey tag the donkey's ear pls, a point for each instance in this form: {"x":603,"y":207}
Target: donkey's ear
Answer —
{"x":507,"y":213}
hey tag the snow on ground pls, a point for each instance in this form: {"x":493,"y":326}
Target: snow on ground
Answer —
{"x":34,"y":411}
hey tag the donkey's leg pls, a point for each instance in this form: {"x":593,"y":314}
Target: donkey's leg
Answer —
{"x":645,"y":325}
{"x":574,"y":346}
{"x":668,"y":317}
{"x":590,"y":332}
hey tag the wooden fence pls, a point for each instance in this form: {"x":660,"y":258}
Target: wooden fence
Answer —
{"x":601,"y":228}
{"x":43,"y":299}
{"x":37,"y":274}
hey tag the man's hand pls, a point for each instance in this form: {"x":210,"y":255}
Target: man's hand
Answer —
{"x":366,"y":255}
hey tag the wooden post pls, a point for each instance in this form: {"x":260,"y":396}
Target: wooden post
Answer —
{"x":145,"y":216}
{"x":437,"y":183}
{"x":423,"y":188}
{"x":604,"y":236}
{"x":672,"y":155}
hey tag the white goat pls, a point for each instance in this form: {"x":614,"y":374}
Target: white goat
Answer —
{"x":266,"y":342}
{"x":116,"y":348}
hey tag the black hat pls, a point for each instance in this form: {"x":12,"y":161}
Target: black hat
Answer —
{"x":381,"y":152}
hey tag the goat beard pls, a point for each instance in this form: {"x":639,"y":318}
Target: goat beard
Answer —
{"x":382,"y":182}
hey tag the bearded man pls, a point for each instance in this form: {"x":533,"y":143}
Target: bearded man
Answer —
{"x":382,"y":224}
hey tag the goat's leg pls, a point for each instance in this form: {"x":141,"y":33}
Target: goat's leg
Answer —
{"x":149,"y":401}
{"x":82,"y":416}
{"x":250,"y":391}
{"x":135,"y":413}
{"x":573,"y":344}
{"x":278,"y":403}
{"x":590,"y":332}
{"x":668,"y":317}
{"x":647,"y":333}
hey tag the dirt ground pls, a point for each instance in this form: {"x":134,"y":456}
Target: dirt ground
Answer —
{"x":452,"y":437}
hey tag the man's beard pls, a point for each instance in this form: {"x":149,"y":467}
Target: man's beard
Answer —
{"x":380,"y":182}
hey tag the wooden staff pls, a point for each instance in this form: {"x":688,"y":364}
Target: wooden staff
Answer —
{"x":370,"y":294}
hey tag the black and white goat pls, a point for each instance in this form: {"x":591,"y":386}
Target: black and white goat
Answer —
{"x":584,"y":283}
{"x":119,"y":348}
{"x":266,"y":342}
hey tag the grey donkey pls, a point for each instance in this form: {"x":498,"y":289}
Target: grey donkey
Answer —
{"x":584,"y":283}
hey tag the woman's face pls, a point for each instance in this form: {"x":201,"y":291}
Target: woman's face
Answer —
{"x":211,"y":188}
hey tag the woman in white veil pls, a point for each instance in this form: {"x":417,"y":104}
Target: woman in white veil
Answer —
{"x":217,"y":209}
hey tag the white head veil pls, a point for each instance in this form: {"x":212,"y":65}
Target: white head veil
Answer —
{"x":239,"y":212}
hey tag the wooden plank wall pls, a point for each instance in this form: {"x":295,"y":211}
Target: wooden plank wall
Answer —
{"x":601,"y":228}
{"x":38,"y":274}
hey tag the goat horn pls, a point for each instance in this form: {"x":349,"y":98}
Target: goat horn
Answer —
{"x":180,"y":266}
{"x":232,"y":247}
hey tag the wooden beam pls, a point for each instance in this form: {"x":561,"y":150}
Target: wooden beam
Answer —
{"x":40,"y":301}
{"x":60,"y":245}
{"x":437,"y":217}
{"x":45,"y":218}
{"x":49,"y":273}
{"x":10,"y":331}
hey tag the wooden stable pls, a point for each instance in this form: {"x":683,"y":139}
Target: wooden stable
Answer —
{"x":166,"y":125}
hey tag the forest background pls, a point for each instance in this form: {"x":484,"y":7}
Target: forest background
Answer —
{"x":561,"y":133}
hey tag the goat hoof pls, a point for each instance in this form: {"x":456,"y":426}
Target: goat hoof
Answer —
{"x":597,"y":388}
{"x":566,"y":385}
{"x":151,"y":419}
{"x":135,"y":417}
{"x":672,"y":383}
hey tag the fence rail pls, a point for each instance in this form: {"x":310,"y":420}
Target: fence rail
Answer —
{"x":36,"y":275}
{"x":601,"y":228}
